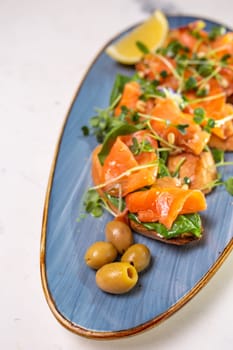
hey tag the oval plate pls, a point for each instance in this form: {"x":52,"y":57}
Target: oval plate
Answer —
{"x":176,"y":274}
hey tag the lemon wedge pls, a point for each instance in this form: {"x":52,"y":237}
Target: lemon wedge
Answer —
{"x":152,"y":33}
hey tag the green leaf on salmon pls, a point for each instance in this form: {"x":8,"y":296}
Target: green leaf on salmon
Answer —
{"x":118,"y":86}
{"x":188,"y":223}
{"x":122,"y":129}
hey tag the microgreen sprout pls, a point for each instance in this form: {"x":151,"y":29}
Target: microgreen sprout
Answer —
{"x":178,"y":166}
{"x":125,"y":173}
{"x":216,"y":31}
{"x":103,"y":122}
{"x":139,"y":147}
{"x":228,"y":184}
{"x":142,"y":47}
{"x":199,"y":115}
{"x":187,"y":180}
{"x":190,"y":84}
{"x":170,"y":146}
{"x":95,"y":204}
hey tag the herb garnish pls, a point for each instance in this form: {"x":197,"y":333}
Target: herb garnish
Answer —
{"x":188,"y":223}
{"x":215,"y":32}
{"x":93,"y":203}
{"x":142,"y":47}
{"x":199,"y":115}
{"x":121,"y":129}
{"x":139,"y":147}
{"x":190,"y":84}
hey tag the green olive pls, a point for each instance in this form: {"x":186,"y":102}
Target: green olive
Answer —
{"x":137,"y":255}
{"x":116,"y":277}
{"x":119,"y":234}
{"x":99,"y":254}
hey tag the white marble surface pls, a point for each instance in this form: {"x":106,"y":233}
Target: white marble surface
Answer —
{"x":46,"y":46}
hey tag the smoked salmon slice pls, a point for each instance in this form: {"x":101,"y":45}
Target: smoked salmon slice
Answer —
{"x":129,"y":97}
{"x":200,"y":170}
{"x":223,"y":45}
{"x":193,"y":139}
{"x":155,"y":67}
{"x":210,"y":105}
{"x":116,"y":175}
{"x":184,"y":35}
{"x":165,"y":204}
{"x":180,"y":97}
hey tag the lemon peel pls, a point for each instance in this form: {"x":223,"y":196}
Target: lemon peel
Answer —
{"x":152,"y":33}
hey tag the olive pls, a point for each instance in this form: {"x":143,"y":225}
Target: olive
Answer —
{"x":119,"y":234}
{"x":116,"y":277}
{"x":138,"y":255}
{"x":99,"y":254}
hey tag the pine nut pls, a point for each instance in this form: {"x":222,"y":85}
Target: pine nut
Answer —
{"x":141,"y":106}
{"x":171,"y":138}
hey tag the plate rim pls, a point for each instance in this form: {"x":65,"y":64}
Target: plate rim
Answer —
{"x":110,"y":335}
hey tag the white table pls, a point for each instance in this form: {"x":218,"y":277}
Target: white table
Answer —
{"x":46,"y":47}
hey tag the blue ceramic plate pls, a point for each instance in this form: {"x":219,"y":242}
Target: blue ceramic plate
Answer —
{"x":176,"y":274}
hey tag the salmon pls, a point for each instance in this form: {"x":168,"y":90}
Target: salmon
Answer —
{"x":96,"y":168}
{"x":130,"y":96}
{"x":216,"y":109}
{"x":226,"y":129}
{"x":165,"y":204}
{"x":121,"y":160}
{"x":142,"y":136}
{"x":223,"y":45}
{"x":168,"y":181}
{"x":226,"y":81}
{"x":130,"y":169}
{"x":152,"y":67}
{"x":184,"y":35}
{"x":225,"y":145}
{"x":200,"y":170}
{"x":193,"y":139}
{"x":211,"y":105}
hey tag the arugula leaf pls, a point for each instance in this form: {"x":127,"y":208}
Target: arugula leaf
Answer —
{"x":121,"y":129}
{"x":187,"y":223}
{"x":118,"y":86}
{"x":190,"y":223}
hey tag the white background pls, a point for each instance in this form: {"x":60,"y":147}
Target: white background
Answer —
{"x":45,"y":49}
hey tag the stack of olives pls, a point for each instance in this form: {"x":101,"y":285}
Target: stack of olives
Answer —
{"x":117,"y":277}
